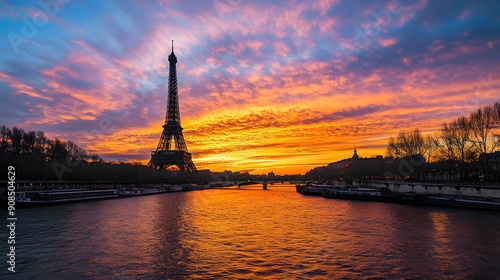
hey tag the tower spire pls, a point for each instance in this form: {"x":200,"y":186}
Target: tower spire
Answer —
{"x":355,"y":156}
{"x":172,"y":149}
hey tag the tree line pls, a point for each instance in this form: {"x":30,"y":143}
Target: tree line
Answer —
{"x":37,"y":157}
{"x":461,"y":141}
{"x":17,"y":141}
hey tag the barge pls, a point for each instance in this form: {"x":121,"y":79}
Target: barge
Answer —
{"x":314,"y":189}
{"x":59,"y":196}
{"x":372,"y":194}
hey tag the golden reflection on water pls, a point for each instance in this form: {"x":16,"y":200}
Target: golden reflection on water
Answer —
{"x":264,"y":235}
{"x":440,"y":223}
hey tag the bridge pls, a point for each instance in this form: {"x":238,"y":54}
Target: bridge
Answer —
{"x":265,"y":182}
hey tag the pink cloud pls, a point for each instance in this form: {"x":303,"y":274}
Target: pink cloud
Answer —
{"x":281,"y":48}
{"x":436,"y":46}
{"x":324,"y":5}
{"x":255,"y":46}
{"x":386,"y":42}
{"x":198,"y":71}
{"x":21,"y":88}
{"x":327,"y":25}
{"x":409,"y":11}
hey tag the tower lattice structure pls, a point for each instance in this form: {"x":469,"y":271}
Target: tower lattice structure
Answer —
{"x":172,"y":149}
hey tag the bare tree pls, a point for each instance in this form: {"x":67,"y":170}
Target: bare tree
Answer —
{"x":496,"y":117}
{"x":28,"y":143}
{"x":392,"y":149}
{"x":95,"y":158}
{"x":431,"y":147}
{"x":16,"y":138}
{"x":481,"y":124}
{"x":5,"y":141}
{"x":406,"y":144}
{"x":445,"y":143}
{"x":454,"y":143}
{"x":57,"y":150}
{"x":496,"y":112}
{"x":17,"y":141}
{"x":75,"y":153}
{"x":40,"y":142}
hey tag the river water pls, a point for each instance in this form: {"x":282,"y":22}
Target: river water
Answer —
{"x":250,"y":233}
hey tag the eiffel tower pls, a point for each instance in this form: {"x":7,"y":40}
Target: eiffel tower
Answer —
{"x":172,"y":149}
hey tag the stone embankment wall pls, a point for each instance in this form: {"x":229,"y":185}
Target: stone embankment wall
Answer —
{"x":440,"y":189}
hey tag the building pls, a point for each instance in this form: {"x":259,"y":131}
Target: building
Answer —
{"x":489,"y":166}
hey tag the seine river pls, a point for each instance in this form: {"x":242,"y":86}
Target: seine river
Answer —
{"x":250,"y":233}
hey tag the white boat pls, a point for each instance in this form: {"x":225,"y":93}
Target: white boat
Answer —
{"x":140,"y":191}
{"x":355,"y":193}
{"x":58,"y":196}
{"x":314,"y":189}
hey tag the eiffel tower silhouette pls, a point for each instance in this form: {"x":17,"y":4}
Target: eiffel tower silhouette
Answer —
{"x":172,"y":149}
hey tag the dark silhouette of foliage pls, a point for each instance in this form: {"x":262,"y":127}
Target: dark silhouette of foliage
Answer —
{"x":16,"y":141}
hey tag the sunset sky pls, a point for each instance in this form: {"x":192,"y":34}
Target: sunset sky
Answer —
{"x":279,"y":86}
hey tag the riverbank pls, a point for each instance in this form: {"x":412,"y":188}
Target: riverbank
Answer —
{"x":452,"y":189}
{"x":485,"y":196}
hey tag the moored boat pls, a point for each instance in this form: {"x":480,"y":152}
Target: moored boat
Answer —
{"x":314,"y":189}
{"x":356,"y":193}
{"x":372,"y":194}
{"x":59,"y":196}
{"x":140,"y":191}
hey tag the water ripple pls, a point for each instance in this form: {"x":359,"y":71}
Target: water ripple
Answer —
{"x":254,"y":234}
